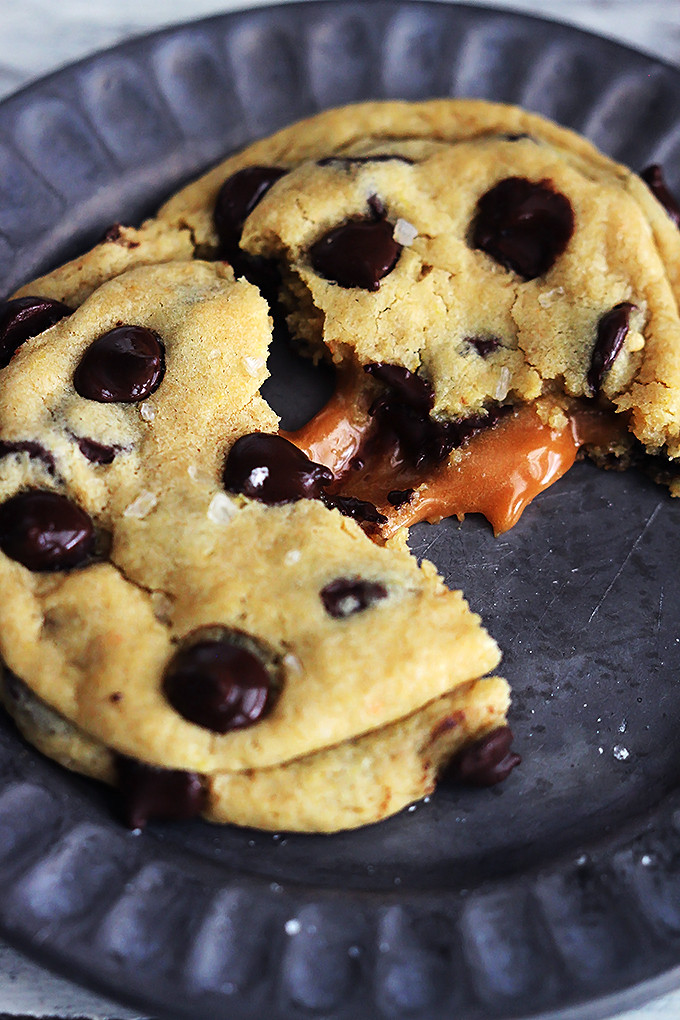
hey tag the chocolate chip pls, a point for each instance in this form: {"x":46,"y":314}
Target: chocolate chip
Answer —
{"x":407,"y":386}
{"x":166,"y":794}
{"x":358,"y":253}
{"x":124,"y":365}
{"x":488,"y":760}
{"x":523,"y":225}
{"x":358,"y":509}
{"x":399,"y":497}
{"x":97,"y":453}
{"x":25,"y":317}
{"x":271,"y":469}
{"x":402,"y":416}
{"x":219,"y":685}
{"x":654,"y":179}
{"x":611,"y":332}
{"x":484,"y":345}
{"x":348,"y":161}
{"x":349,"y":595}
{"x":237,"y":198}
{"x":33,"y":449}
{"x":45,"y":531}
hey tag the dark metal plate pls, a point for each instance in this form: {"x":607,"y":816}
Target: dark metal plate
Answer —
{"x":561,"y":887}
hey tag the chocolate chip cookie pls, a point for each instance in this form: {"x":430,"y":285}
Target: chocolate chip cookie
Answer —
{"x":190,"y":615}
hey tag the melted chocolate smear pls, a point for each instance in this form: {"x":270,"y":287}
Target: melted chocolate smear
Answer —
{"x":219,"y":685}
{"x":402,"y":416}
{"x":236,"y":199}
{"x":358,"y":253}
{"x":523,"y":225}
{"x":654,"y":179}
{"x":407,"y":386}
{"x":484,"y":345}
{"x":349,"y":161}
{"x":349,"y":595}
{"x":399,"y":497}
{"x":33,"y":449}
{"x":125,"y":365}
{"x":360,"y":510}
{"x":22,"y":318}
{"x":611,"y":332}
{"x":272,"y":470}
{"x":487,"y":761}
{"x":45,"y":531}
{"x":97,"y":453}
{"x":166,"y":794}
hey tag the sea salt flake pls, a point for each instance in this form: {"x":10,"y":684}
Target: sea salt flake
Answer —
{"x":621,"y":752}
{"x":291,"y":663}
{"x":545,"y":300}
{"x":254,"y":366}
{"x":147,"y":411}
{"x":161,"y":605}
{"x":292,"y":556}
{"x":624,"y":726}
{"x":348,"y":605}
{"x":222,"y":510}
{"x":192,"y":471}
{"x":404,"y":233}
{"x":503,"y":384}
{"x":142,"y":506}
{"x":292,"y":926}
{"x":645,"y":860}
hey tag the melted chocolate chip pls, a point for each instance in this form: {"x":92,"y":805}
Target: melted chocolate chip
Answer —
{"x":33,"y":449}
{"x":402,"y":415}
{"x":358,"y":509}
{"x":97,"y":453}
{"x":349,"y":595}
{"x":654,"y":179}
{"x":523,"y":225}
{"x":219,"y":685}
{"x":407,"y":386}
{"x":271,"y":469}
{"x":124,"y":365}
{"x":25,"y":317}
{"x":488,"y":760}
{"x":399,"y":497}
{"x":45,"y":531}
{"x":348,"y":161}
{"x":358,"y":253}
{"x":237,"y":198}
{"x":166,"y":794}
{"x":611,"y":332}
{"x":484,"y":345}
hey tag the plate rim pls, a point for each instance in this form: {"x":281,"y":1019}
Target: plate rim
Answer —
{"x":50,"y":954}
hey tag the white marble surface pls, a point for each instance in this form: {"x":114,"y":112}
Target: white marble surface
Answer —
{"x":38,"y":36}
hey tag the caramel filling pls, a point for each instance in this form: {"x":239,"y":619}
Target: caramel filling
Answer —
{"x":497,"y":473}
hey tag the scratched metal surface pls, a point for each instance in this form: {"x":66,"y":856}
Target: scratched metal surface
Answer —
{"x":562,"y":886}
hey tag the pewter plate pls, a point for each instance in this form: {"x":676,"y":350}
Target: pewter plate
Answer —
{"x":552,"y":894}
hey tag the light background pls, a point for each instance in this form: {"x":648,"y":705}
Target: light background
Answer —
{"x":39,"y":36}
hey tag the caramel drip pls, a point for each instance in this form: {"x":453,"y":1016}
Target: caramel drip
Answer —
{"x":497,"y":473}
{"x":335,"y":434}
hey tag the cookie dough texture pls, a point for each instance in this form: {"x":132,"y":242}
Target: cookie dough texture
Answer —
{"x":92,"y":644}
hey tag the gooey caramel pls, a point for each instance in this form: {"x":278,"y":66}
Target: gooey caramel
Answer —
{"x":497,"y":473}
